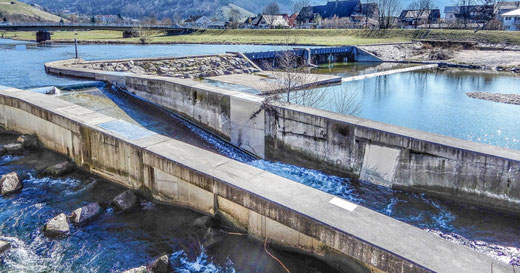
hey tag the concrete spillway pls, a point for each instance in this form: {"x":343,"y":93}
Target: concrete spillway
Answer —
{"x":177,"y":173}
{"x":381,"y":153}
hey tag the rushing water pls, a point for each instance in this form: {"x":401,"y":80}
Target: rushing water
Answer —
{"x":489,"y":232}
{"x":116,"y":241}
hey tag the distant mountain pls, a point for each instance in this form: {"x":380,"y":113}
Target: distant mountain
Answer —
{"x":161,"y":9}
{"x":14,"y":11}
{"x":153,"y":8}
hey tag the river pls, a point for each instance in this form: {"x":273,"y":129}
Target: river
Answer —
{"x":489,"y":232}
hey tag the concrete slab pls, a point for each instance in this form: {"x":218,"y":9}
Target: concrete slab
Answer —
{"x":126,"y":129}
{"x":270,"y":81}
{"x":379,"y":164}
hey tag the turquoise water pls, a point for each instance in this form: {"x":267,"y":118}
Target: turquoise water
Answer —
{"x":22,"y":63}
{"x":435,"y":101}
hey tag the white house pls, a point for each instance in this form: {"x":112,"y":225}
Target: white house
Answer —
{"x":269,"y":21}
{"x":511,"y":20}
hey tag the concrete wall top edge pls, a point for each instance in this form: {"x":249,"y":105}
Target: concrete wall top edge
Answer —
{"x":433,"y":138}
{"x":418,"y":246}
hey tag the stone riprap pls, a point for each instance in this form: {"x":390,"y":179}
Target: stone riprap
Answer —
{"x":496,"y":97}
{"x":187,"y":67}
{"x":57,"y":226}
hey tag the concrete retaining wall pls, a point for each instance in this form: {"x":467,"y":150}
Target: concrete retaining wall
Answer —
{"x":263,"y":204}
{"x":381,"y":153}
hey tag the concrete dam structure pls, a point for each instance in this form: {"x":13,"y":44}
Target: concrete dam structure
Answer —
{"x":384,"y":154}
{"x":177,"y":173}
{"x":314,"y":56}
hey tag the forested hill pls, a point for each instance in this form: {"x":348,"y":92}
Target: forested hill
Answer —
{"x":152,"y":8}
{"x":161,"y":9}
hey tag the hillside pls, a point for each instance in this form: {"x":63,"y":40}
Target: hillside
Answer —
{"x":157,"y":8}
{"x":232,"y":11}
{"x":15,"y":11}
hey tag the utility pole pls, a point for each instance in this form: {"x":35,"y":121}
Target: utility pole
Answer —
{"x":76,"y":47}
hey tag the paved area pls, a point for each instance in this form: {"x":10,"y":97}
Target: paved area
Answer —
{"x":271,"y":81}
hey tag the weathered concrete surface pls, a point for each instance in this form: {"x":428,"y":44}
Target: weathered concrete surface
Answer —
{"x":272,"y":81}
{"x":477,"y":173}
{"x":264,"y":204}
{"x":389,"y":72}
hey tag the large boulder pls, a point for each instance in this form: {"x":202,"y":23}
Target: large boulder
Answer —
{"x":125,"y":200}
{"x":141,"y":269}
{"x":4,"y":246}
{"x":10,"y":183}
{"x":14,"y":148}
{"x":57,"y":226}
{"x":29,"y":141}
{"x":60,"y":169}
{"x":162,"y":265}
{"x":85,"y":214}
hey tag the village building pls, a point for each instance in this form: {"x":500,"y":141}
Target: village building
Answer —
{"x":511,"y":20}
{"x":351,"y":11}
{"x":197,"y":21}
{"x":468,"y":15}
{"x":416,"y":18}
{"x":268,"y":21}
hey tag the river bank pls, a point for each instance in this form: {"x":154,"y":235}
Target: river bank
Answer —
{"x":318,"y":37}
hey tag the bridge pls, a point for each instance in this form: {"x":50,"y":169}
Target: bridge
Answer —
{"x":43,"y":29}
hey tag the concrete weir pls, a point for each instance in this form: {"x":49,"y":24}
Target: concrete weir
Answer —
{"x":384,"y":154}
{"x":263,"y":204}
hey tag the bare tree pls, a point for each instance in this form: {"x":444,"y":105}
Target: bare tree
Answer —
{"x":292,"y":81}
{"x":299,"y":4}
{"x":272,"y":9}
{"x":388,"y":10}
{"x":144,"y":34}
{"x":421,"y":11}
{"x":347,"y":101}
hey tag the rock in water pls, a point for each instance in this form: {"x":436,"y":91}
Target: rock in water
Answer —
{"x":84,"y":214}
{"x":57,"y":226}
{"x":141,"y":269}
{"x":4,"y":246}
{"x":28,"y":141}
{"x":125,"y":200}
{"x":14,"y":148}
{"x":161,"y":265}
{"x":59,"y":169}
{"x":10,"y":183}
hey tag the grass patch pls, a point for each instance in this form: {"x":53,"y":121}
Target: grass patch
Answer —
{"x":20,"y":12}
{"x":330,"y":37}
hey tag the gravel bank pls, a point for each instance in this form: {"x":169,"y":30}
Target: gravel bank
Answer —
{"x":502,"y":60}
{"x":496,"y":97}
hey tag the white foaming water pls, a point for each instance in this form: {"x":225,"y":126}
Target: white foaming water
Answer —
{"x":202,"y":264}
{"x":508,"y":255}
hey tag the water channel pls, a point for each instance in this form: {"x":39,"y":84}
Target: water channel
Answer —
{"x":122,"y":241}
